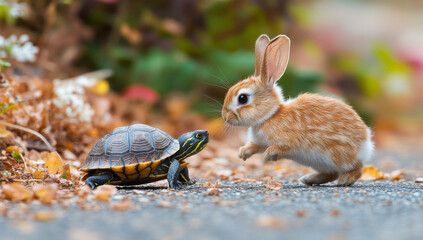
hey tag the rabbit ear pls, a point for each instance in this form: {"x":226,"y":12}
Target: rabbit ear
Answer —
{"x":275,"y":60}
{"x":261,"y":45}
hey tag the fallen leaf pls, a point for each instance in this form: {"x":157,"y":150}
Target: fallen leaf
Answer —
{"x":45,"y":193}
{"x":270,"y":222}
{"x":273,"y":185}
{"x":104,"y":192}
{"x":5,"y":133}
{"x":14,"y":149}
{"x":122,"y":205}
{"x":16,"y":191}
{"x":214,"y":192}
{"x":165,"y":204}
{"x":64,"y":172}
{"x":53,"y":163}
{"x":301,"y":213}
{"x":371,"y":173}
{"x":225,"y":203}
{"x":39,"y":174}
{"x":334,"y":212}
{"x":396,"y":175}
{"x":45,"y":216}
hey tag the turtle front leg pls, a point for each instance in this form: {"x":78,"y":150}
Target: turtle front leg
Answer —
{"x":173,"y":174}
{"x":184,"y":177}
{"x":100,"y":179}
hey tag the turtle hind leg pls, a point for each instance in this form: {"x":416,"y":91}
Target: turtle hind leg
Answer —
{"x":100,"y":179}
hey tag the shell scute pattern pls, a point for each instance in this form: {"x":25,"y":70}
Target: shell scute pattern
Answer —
{"x":98,"y":148}
{"x":130,"y":145}
{"x":118,"y":144}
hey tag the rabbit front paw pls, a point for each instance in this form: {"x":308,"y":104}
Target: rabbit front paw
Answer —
{"x":245,"y":152}
{"x":274,"y":153}
{"x":270,"y":156}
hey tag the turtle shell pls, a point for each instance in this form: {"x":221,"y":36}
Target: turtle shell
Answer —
{"x":131,"y":152}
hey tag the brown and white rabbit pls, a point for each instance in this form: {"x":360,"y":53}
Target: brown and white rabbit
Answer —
{"x":313,"y":130}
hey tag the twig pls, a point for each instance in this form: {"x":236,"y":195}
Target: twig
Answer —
{"x":27,"y":180}
{"x":29,"y":131}
{"x":23,"y":159}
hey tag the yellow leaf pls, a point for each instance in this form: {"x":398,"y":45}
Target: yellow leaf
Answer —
{"x":16,"y":191}
{"x":103,"y":193}
{"x":5,"y":133}
{"x":39,"y":174}
{"x":53,"y":163}
{"x":45,"y":193}
{"x":371,"y":173}
{"x":101,"y":88}
{"x":45,"y":216}
{"x":14,"y":149}
{"x":64,"y":171}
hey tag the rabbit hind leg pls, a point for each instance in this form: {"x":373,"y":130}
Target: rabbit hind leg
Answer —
{"x":318,"y":178}
{"x":350,"y":177}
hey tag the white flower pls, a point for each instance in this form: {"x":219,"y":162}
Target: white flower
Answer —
{"x":2,"y":41}
{"x":16,"y":10}
{"x":21,"y":49}
{"x":24,"y":53}
{"x":69,"y":95}
{"x":23,"y":38}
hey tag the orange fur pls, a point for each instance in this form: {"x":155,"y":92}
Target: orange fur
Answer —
{"x":321,"y":132}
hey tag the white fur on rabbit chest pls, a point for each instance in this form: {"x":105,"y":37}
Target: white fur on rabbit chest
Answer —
{"x":318,"y":159}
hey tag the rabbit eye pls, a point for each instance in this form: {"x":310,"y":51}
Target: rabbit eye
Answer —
{"x":243,"y":99}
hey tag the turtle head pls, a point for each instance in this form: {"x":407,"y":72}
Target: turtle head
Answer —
{"x":192,"y":143}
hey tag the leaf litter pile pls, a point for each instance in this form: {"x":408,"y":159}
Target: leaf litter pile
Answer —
{"x":47,"y":128}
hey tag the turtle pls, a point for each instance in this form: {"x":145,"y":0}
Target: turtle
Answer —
{"x":138,"y":154}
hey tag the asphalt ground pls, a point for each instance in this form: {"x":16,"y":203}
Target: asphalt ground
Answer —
{"x":368,"y":210}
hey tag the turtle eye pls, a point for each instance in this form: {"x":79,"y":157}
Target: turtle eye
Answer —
{"x":243,"y":99}
{"x":199,"y":136}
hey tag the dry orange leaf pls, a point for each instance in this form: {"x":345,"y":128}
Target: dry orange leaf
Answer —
{"x":123,"y":205}
{"x":371,"y":173}
{"x":53,"y":163}
{"x":16,"y":191}
{"x":165,"y":204}
{"x":213,"y":192}
{"x":396,"y":175}
{"x":64,"y":171}
{"x":5,"y":133}
{"x":14,"y":149}
{"x":273,"y":185}
{"x":39,"y":174}
{"x":45,"y":216}
{"x":45,"y":193}
{"x":225,"y":203}
{"x":270,"y":222}
{"x":104,"y":192}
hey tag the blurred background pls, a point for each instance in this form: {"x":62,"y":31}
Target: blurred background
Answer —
{"x":171,"y":58}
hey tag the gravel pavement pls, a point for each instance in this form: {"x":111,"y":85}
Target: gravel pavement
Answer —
{"x":369,"y":210}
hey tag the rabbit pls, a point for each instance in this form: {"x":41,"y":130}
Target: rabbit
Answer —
{"x":317,"y":131}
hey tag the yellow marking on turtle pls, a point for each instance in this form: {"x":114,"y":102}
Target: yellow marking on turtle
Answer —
{"x":183,"y":177}
{"x":183,"y":154}
{"x":186,"y":141}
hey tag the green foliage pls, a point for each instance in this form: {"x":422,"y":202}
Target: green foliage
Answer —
{"x":4,"y":64}
{"x":16,"y":156}
{"x":4,"y":108}
{"x":211,"y":45}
